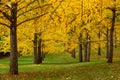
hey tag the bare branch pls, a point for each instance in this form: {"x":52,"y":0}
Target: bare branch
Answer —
{"x":3,"y":24}
{"x":31,"y":19}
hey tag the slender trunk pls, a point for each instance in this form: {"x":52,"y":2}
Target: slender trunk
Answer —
{"x":73,"y":53}
{"x":107,"y":43}
{"x":35,"y":48}
{"x":13,"y":41}
{"x":80,"y":35}
{"x":89,"y":49}
{"x":43,"y":53}
{"x":80,"y":49}
{"x":99,"y":50}
{"x":39,"y":51}
{"x":99,"y":46}
{"x":86,"y":48}
{"x":80,"y":53}
{"x":85,"y":51}
{"x":115,"y":40}
{"x":110,"y":56}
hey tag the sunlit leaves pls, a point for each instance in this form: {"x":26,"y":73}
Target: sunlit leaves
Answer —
{"x":62,"y":23}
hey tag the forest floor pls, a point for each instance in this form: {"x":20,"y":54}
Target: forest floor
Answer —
{"x":60,"y":66}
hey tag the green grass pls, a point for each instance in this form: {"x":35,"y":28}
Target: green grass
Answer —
{"x":62,"y":67}
{"x":98,"y":71}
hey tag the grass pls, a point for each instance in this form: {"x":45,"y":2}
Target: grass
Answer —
{"x":87,"y":71}
{"x":62,"y":67}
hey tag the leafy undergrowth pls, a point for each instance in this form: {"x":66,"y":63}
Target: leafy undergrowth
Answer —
{"x":101,"y":71}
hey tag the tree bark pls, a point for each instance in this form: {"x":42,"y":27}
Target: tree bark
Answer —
{"x":115,"y":39}
{"x":107,"y":43}
{"x":86,"y":48}
{"x":85,"y":51}
{"x":110,"y":56}
{"x":13,"y":41}
{"x":39,"y":51}
{"x":99,"y":46}
{"x":80,"y":49}
{"x":89,"y":49}
{"x":35,"y":48}
{"x":73,"y":53}
{"x":13,"y":51}
{"x":43,"y":52}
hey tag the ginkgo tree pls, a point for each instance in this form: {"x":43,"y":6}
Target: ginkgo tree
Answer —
{"x":12,"y":11}
{"x":55,"y":23}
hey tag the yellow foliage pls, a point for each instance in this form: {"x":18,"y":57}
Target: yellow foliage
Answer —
{"x":65,"y":20}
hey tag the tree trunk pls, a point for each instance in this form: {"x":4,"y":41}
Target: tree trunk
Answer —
{"x":80,"y":53}
{"x":13,"y":41}
{"x":85,"y":51}
{"x":39,"y":51}
{"x":80,"y":49}
{"x":43,"y":52}
{"x":110,"y":56}
{"x":107,"y":43}
{"x":115,"y":39}
{"x":89,"y":49}
{"x":13,"y":52}
{"x":35,"y":48}
{"x":99,"y":46}
{"x":73,"y":53}
{"x":85,"y":48}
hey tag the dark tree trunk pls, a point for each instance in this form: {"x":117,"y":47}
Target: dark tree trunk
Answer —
{"x":110,"y":56}
{"x":80,"y":49}
{"x":107,"y":43}
{"x":13,"y":52}
{"x":13,"y":41}
{"x":85,"y":51}
{"x":43,"y":53}
{"x":35,"y":48}
{"x":86,"y":48}
{"x":43,"y":56}
{"x":39,"y":51}
{"x":80,"y":53}
{"x":89,"y":49}
{"x":99,"y":50}
{"x":115,"y":40}
{"x":73,"y":53}
{"x":99,"y":46}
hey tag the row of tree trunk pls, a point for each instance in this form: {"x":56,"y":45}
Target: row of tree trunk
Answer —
{"x":39,"y":55}
{"x":85,"y":47}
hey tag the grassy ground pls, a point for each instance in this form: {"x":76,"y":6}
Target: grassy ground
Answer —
{"x":63,"y":67}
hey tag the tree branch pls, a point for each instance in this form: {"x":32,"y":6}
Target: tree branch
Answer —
{"x":110,"y":8}
{"x":31,"y":19}
{"x":26,"y":5}
{"x":32,"y":10}
{"x":5,"y":15}
{"x":3,"y":24}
